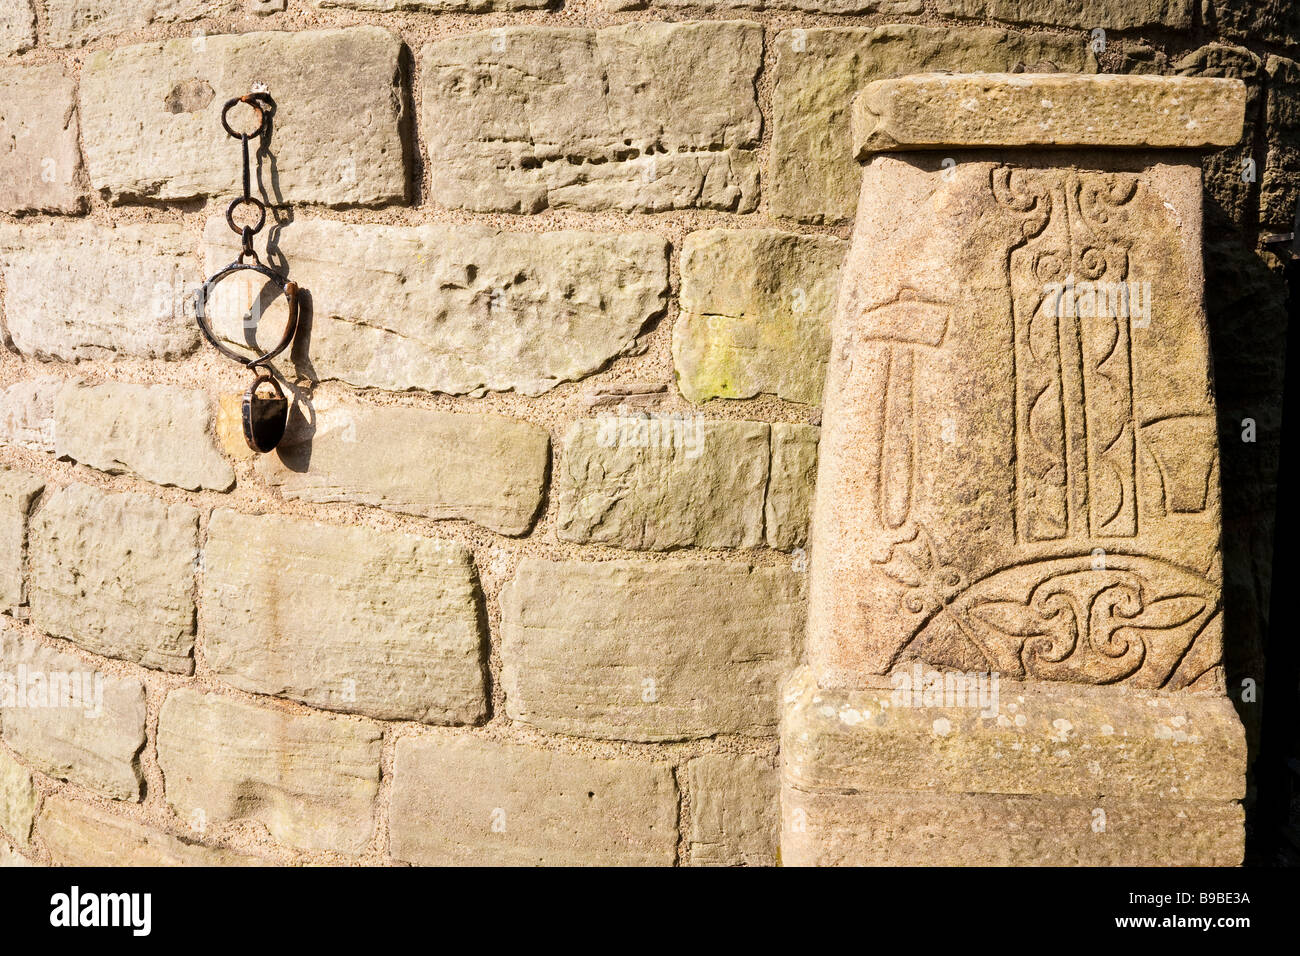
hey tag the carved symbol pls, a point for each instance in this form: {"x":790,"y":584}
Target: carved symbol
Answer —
{"x":917,"y":565}
{"x":1075,"y":434}
{"x":1184,"y":448}
{"x":1138,"y":620}
{"x":908,"y":320}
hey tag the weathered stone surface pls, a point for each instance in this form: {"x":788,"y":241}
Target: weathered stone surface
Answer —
{"x":1140,"y":58}
{"x":811,"y":174}
{"x":790,"y":485}
{"x":17,"y":799}
{"x":1231,"y":192}
{"x":162,"y":433}
{"x":10,"y":857}
{"x":640,"y":396}
{"x":435,"y":6}
{"x":309,"y":779}
{"x":457,"y":308}
{"x":18,"y":490}
{"x":70,"y":721}
{"x":115,"y":574}
{"x":467,"y":800}
{"x":27,"y":414}
{"x":151,"y":117}
{"x":1276,"y":21}
{"x":1034,"y":774}
{"x":482,"y":468}
{"x":1279,"y":187}
{"x":659,"y":483}
{"x":648,"y":651}
{"x":81,"y":290}
{"x":17,"y":26}
{"x":957,"y":512}
{"x":1063,"y":740}
{"x":349,"y":619}
{"x":642,"y":116}
{"x":939,"y":110}
{"x":756,"y":313}
{"x":77,"y":834}
{"x":76,"y":22}
{"x":969,"y":829}
{"x":1089,"y":14}
{"x":808,"y":6}
{"x":40,"y":163}
{"x":735,"y":811}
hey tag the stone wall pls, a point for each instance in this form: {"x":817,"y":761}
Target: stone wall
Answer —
{"x":525,"y":578}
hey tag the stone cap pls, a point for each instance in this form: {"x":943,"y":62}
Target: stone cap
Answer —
{"x":938,"y":110}
{"x":1047,"y":738}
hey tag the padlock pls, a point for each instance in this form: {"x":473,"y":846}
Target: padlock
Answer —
{"x":264,"y":416}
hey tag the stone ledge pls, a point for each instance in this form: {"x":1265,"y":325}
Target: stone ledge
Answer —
{"x":1059,"y":740}
{"x":936,"y":110}
{"x":1062,"y":775}
{"x":968,"y":829}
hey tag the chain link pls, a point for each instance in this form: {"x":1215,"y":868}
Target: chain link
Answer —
{"x":263,"y":105}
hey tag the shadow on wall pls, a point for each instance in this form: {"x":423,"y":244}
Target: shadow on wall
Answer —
{"x":294,"y":449}
{"x":1246,"y":310}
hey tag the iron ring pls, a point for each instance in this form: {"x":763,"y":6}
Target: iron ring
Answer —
{"x":256,"y":102}
{"x":288,"y":289}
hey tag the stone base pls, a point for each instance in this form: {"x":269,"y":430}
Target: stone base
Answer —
{"x":1058,"y":775}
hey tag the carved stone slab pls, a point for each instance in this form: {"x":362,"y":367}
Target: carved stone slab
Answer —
{"x":934,"y":110}
{"x":1019,"y":463}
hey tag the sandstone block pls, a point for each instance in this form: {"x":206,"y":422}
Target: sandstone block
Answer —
{"x":10,"y":857}
{"x":115,"y":574}
{"x":310,"y":780}
{"x":17,"y":799}
{"x":1062,"y":740}
{"x":1106,"y":14}
{"x":151,"y":117}
{"x":17,"y":26}
{"x":811,"y":174}
{"x":457,"y":309}
{"x":162,"y":433}
{"x":1279,"y":187}
{"x":70,"y":721}
{"x":659,"y":484}
{"x":1226,"y":184}
{"x":790,"y":486}
{"x":434,"y":6}
{"x":40,"y":163}
{"x":27,"y":414}
{"x":735,"y":811}
{"x":841,"y":7}
{"x":756,"y":310}
{"x":970,"y":484}
{"x":638,"y":117}
{"x":18,"y":490}
{"x":937,"y":110}
{"x":467,"y":800}
{"x":80,"y":290}
{"x":347,"y":619}
{"x":482,"y":468}
{"x":1276,"y":21}
{"x":971,"y":829}
{"x":76,"y":22}
{"x":1026,"y":774}
{"x":648,"y":651}
{"x":78,"y":834}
